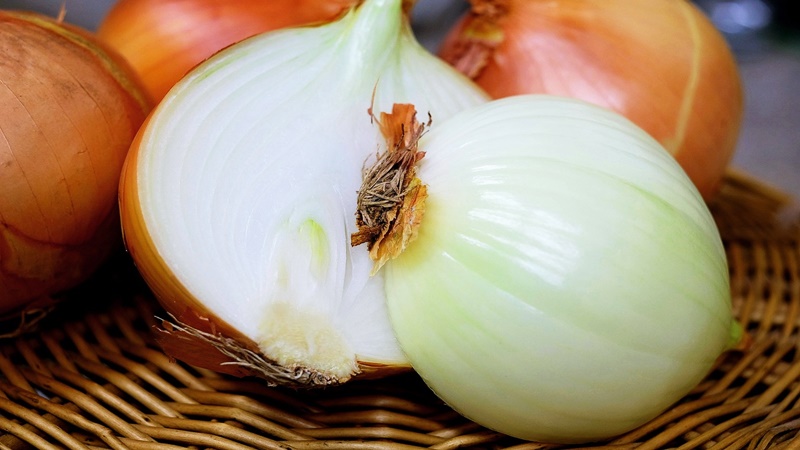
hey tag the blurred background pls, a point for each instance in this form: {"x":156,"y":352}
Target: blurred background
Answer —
{"x":764,"y":34}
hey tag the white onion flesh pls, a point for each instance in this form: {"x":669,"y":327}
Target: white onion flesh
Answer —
{"x":568,"y":282}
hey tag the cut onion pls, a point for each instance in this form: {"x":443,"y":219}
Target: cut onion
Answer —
{"x":239,"y":195}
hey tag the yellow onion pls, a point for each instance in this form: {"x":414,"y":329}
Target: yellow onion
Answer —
{"x":164,"y":39}
{"x":70,"y":109}
{"x":660,"y":63}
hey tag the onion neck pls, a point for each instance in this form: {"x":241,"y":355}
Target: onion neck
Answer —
{"x":374,"y":31}
{"x":478,"y":35}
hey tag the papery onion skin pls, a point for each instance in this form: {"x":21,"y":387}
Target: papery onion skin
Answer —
{"x":164,"y":39}
{"x":568,"y":282}
{"x":274,"y":128}
{"x":70,"y":107}
{"x":661,"y":63}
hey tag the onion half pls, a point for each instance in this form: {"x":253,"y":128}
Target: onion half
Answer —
{"x":238,"y":197}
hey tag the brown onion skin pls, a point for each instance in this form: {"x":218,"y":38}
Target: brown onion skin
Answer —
{"x":660,"y":63}
{"x":70,"y":108}
{"x":164,"y":39}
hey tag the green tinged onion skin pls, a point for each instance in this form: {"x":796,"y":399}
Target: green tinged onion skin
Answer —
{"x":568,"y":282}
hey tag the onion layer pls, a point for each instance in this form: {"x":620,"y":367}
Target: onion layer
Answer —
{"x":70,"y":109}
{"x":661,"y":63}
{"x":567,"y":282}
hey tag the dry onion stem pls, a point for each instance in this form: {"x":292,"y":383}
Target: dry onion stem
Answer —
{"x":391,"y":200}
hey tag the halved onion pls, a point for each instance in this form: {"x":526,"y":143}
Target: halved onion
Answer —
{"x":239,"y":196}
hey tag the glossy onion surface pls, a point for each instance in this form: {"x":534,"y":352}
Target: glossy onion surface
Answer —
{"x":568,"y":282}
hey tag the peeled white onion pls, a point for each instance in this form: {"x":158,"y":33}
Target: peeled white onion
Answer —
{"x":567,"y":283}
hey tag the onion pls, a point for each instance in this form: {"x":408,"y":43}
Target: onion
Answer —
{"x":70,"y":109}
{"x":239,"y":193}
{"x":164,"y":39}
{"x":564,"y":280}
{"x":661,"y":63}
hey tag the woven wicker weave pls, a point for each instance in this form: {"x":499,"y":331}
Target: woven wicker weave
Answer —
{"x":91,"y":377}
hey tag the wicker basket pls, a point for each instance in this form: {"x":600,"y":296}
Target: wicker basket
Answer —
{"x":91,"y":377}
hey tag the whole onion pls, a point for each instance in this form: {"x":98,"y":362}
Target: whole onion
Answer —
{"x":164,"y":39}
{"x":660,"y":63}
{"x":69,"y":110}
